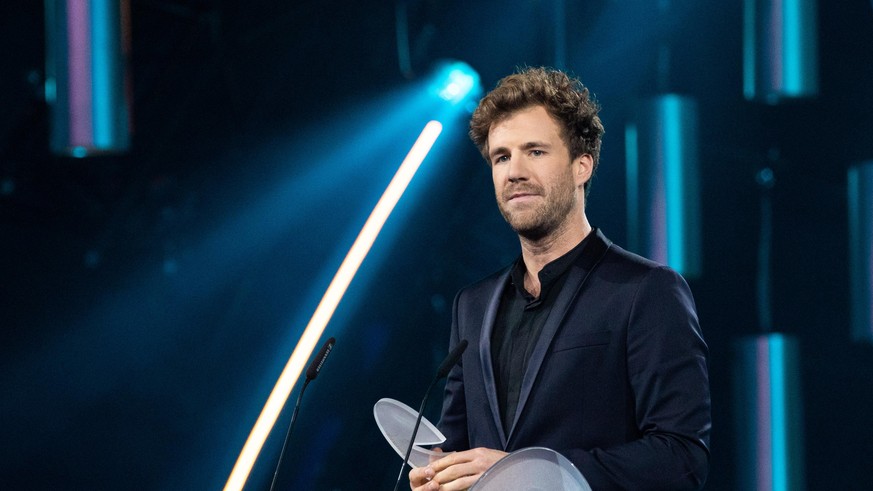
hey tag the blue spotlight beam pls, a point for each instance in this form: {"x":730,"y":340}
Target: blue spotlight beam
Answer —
{"x":288,"y":378}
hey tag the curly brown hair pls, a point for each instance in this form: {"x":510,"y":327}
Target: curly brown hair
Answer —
{"x":565,"y":99}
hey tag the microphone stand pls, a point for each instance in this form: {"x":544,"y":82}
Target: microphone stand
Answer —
{"x":288,"y":434}
{"x":311,"y":373}
{"x":443,"y":371}
{"x":415,"y":432}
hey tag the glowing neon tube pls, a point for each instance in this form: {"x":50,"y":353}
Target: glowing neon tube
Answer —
{"x":328,"y":304}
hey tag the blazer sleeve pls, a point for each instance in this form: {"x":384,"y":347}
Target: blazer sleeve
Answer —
{"x":453,"y":420}
{"x":667,"y":371}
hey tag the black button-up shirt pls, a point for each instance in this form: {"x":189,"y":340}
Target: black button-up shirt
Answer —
{"x":520,"y":318}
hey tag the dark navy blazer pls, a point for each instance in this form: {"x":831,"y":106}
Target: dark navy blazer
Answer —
{"x":617,"y":382}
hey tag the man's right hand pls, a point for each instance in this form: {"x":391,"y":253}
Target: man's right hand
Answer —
{"x":456,"y":471}
{"x":420,"y":477}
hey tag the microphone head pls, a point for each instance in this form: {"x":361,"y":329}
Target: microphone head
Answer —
{"x":452,"y":359}
{"x":318,"y":361}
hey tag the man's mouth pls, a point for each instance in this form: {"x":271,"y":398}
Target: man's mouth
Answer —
{"x":515,"y":195}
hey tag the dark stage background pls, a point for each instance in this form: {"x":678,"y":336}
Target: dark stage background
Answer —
{"x":148,"y":301}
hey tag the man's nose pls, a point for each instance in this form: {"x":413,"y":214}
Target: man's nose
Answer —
{"x":518,"y":170}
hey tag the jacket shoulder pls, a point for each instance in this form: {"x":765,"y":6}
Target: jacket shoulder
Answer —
{"x":633,"y":267}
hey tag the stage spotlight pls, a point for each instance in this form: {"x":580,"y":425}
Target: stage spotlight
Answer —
{"x":455,"y":81}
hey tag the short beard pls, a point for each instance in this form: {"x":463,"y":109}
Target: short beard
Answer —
{"x":547,"y":219}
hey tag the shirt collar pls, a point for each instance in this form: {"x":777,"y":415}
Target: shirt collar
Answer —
{"x":551,"y":271}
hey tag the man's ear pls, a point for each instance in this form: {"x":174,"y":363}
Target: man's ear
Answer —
{"x":583,"y":168}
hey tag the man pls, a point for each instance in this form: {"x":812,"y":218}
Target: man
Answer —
{"x":579,"y":346}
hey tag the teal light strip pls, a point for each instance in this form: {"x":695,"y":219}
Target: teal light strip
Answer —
{"x":860,"y":211}
{"x":103,"y":49}
{"x":632,"y":158}
{"x":674,"y":162}
{"x":792,"y":44}
{"x":778,"y":416}
{"x":749,"y":45}
{"x":853,"y":195}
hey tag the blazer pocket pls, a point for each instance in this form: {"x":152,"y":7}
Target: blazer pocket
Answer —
{"x":582,"y":340}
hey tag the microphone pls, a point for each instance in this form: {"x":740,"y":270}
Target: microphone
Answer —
{"x":451,"y":360}
{"x":444,"y":369}
{"x":319,"y":360}
{"x":311,"y":373}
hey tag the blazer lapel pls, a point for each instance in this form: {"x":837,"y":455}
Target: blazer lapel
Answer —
{"x":578,"y":275}
{"x":485,"y":352}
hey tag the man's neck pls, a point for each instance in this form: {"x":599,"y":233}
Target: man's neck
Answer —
{"x":537,"y":253}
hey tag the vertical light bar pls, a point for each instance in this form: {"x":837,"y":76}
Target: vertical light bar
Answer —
{"x":750,"y":43}
{"x":860,"y":197}
{"x":675,"y":160}
{"x":632,"y":158}
{"x":86,"y":76}
{"x":780,"y":50}
{"x":79,"y":73}
{"x":778,"y":412}
{"x":663,"y":183}
{"x":327,"y":306}
{"x":763,"y":422}
{"x":769,"y":415}
{"x":104,"y":36}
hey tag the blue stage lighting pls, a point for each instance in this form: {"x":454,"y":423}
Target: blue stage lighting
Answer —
{"x":663,"y":184}
{"x":860,"y":195}
{"x":780,"y":50}
{"x":455,"y":81}
{"x":769,"y":416}
{"x":87,"y":75}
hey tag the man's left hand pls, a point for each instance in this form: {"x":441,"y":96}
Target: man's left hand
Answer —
{"x":460,"y":470}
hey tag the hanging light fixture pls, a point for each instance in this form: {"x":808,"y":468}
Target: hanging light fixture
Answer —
{"x":780,"y":50}
{"x":86,"y":85}
{"x":768,"y":420}
{"x":663,"y":184}
{"x":860,"y":198}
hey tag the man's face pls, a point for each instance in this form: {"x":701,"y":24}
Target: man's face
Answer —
{"x":537,"y":185}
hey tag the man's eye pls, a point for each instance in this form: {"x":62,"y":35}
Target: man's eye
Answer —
{"x":536,"y":153}
{"x":501,"y":158}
